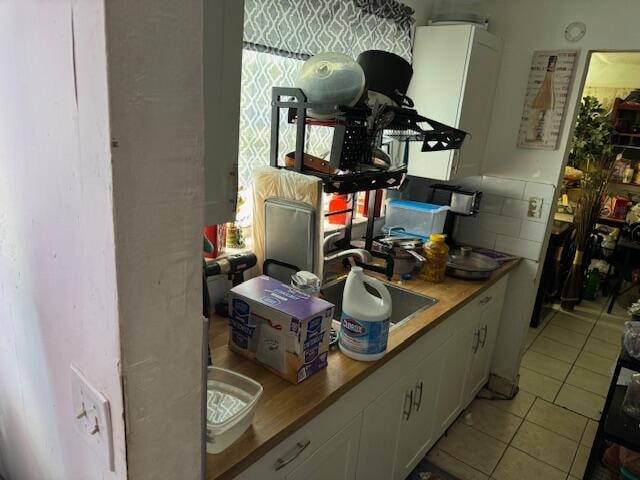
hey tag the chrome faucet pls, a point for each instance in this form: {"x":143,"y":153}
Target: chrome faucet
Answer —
{"x":363,"y":258}
{"x":360,"y":253}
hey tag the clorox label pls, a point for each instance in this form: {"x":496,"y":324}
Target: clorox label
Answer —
{"x":361,"y":336}
{"x":353,"y":327}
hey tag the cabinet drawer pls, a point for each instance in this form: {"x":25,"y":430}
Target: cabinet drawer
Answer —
{"x":301,"y":445}
{"x":336,"y":459}
{"x":493,"y":294}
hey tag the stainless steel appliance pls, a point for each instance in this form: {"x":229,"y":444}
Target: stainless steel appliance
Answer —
{"x":461,"y":201}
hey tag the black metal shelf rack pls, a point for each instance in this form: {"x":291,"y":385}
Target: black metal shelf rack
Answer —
{"x":615,"y":425}
{"x":355,"y":136}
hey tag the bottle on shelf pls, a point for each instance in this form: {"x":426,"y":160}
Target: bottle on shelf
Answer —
{"x":627,"y":176}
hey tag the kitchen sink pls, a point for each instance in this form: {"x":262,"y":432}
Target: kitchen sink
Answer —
{"x":405,"y":304}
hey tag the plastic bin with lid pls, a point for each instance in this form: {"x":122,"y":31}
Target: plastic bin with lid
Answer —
{"x":416,"y":218}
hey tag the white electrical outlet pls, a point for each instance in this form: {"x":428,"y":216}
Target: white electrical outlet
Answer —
{"x":535,"y":207}
{"x":92,"y":417}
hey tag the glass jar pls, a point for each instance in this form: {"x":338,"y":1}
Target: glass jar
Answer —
{"x":436,"y":254}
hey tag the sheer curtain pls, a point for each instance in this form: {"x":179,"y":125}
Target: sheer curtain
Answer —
{"x":280,"y":34}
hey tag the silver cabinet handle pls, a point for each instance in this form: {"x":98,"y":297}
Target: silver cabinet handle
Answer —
{"x":476,"y":340}
{"x":486,"y":300}
{"x":418,"y":401}
{"x":406,"y":413}
{"x":484,"y":336}
{"x":290,"y":457}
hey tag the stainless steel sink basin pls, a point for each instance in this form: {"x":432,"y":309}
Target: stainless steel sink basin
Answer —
{"x":405,"y":304}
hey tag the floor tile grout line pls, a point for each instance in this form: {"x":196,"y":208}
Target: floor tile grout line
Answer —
{"x":562,"y":328}
{"x":473,"y":426}
{"x":575,"y":455}
{"x":465,"y":463}
{"x":556,"y":379}
{"x":513,"y":436}
{"x":576,"y":360}
{"x":564,"y":382}
{"x":542,"y":461}
{"x":543,"y":353}
{"x":560,"y":434}
{"x":573,"y":364}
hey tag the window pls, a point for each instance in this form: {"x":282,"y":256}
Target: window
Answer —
{"x":280,"y":34}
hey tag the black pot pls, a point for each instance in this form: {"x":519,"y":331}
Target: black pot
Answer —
{"x":386,"y":73}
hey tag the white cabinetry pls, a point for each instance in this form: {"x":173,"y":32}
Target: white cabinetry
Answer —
{"x":456,"y":354}
{"x":417,"y":432}
{"x":222,"y":64}
{"x":380,"y":425}
{"x":383,"y":427}
{"x":485,"y":331}
{"x":455,"y":70}
{"x":336,"y":459}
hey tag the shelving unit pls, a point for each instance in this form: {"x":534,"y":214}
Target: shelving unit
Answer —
{"x":626,"y":121}
{"x":355,"y":135}
{"x":615,"y":425}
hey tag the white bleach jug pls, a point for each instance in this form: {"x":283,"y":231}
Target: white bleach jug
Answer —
{"x":364,"y":324}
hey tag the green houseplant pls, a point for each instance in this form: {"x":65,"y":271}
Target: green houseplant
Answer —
{"x":592,"y":133}
{"x":591,"y":153}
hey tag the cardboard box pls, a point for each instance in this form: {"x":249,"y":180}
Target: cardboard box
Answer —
{"x":284,"y":329}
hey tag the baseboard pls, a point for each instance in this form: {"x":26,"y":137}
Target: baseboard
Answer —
{"x":503,"y":387}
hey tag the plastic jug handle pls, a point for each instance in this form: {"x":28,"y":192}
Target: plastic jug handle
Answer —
{"x":379,"y":287}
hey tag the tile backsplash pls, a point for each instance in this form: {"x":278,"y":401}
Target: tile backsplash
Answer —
{"x":504,"y":223}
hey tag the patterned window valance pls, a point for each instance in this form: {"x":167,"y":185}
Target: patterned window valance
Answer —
{"x":301,"y":28}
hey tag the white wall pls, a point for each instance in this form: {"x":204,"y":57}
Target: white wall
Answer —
{"x":156,"y":106}
{"x":526,"y":26}
{"x":422,"y":9}
{"x":57,"y":266}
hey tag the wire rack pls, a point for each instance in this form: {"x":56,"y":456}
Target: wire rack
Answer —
{"x":357,"y":132}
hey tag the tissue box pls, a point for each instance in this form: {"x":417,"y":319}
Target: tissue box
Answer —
{"x":284,"y":329}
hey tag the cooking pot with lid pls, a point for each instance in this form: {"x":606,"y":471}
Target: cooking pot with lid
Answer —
{"x":404,"y":249}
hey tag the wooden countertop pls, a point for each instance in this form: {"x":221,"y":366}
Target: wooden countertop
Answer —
{"x":284,"y":407}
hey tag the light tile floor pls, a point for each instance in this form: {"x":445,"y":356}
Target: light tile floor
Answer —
{"x":546,"y":431}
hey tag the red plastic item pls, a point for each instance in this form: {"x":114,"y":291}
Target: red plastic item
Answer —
{"x":338,"y":202}
{"x":214,"y":241}
{"x":363,"y":201}
{"x":619,"y":207}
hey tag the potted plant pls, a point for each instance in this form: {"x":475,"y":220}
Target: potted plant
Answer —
{"x":592,"y":154}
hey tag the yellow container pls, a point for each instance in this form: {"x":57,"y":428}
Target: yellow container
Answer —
{"x":436,"y":254}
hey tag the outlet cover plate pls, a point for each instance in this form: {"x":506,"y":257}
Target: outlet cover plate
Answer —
{"x":535,"y":207}
{"x":92,"y":417}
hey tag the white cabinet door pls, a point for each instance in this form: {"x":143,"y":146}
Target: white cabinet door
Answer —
{"x":380,"y":424}
{"x":490,"y":309}
{"x":418,"y":429}
{"x":455,"y":70}
{"x":477,"y":102}
{"x":456,"y":354}
{"x":222,"y":63}
{"x":334,"y":460}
